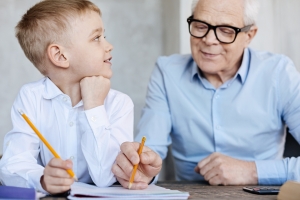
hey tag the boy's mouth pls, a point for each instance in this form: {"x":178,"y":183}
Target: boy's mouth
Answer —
{"x":108,"y":60}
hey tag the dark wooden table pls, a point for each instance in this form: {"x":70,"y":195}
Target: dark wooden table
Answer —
{"x":201,"y":190}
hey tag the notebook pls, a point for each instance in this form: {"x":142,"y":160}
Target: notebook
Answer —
{"x":84,"y":191}
{"x":10,"y":192}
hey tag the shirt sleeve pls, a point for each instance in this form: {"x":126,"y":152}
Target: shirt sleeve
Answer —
{"x":19,"y":165}
{"x":103,"y":137}
{"x":155,"y":122}
{"x":276,"y":172}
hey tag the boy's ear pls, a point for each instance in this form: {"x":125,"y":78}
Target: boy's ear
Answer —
{"x":57,"y":56}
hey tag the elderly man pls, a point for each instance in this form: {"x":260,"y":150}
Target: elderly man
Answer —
{"x":223,"y":108}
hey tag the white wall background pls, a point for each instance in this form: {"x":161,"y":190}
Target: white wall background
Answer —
{"x":140,"y":30}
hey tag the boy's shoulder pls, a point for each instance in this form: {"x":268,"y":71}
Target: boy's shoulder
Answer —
{"x":35,"y":87}
{"x":116,"y":97}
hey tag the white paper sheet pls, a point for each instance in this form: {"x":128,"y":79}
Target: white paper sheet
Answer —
{"x":152,"y":192}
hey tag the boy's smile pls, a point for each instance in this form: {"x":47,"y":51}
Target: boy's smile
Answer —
{"x":89,"y":51}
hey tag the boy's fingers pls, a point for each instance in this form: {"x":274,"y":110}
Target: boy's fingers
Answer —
{"x":57,"y":172}
{"x":59,"y":163}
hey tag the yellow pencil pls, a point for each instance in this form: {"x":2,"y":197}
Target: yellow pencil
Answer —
{"x":136,"y":166}
{"x":72,"y":174}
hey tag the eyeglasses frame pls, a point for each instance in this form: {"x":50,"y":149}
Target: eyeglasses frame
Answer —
{"x":237,"y":30}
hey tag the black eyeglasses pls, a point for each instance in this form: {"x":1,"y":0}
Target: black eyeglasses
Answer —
{"x":225,"y":34}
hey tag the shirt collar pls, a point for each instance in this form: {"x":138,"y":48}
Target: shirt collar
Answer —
{"x":51,"y":90}
{"x":195,"y":70}
{"x":242,"y":72}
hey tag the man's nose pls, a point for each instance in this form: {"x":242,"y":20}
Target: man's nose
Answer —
{"x":210,"y":37}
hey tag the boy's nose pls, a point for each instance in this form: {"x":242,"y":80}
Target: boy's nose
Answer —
{"x":109,"y":47}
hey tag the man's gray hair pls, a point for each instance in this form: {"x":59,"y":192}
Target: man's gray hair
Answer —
{"x":251,"y":8}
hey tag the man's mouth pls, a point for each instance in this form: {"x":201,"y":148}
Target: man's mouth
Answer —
{"x":209,"y":55}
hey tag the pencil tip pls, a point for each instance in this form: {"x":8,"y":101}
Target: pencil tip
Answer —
{"x":129,"y":186}
{"x":20,"y":111}
{"x":75,"y":178}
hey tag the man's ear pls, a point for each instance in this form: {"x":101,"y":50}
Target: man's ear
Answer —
{"x":57,"y":56}
{"x":251,"y":34}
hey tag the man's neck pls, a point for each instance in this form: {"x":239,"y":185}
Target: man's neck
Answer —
{"x":217,"y":80}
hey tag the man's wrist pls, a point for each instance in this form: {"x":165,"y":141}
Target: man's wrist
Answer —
{"x":253,"y":173}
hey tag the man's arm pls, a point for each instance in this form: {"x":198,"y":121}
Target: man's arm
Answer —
{"x":276,"y":172}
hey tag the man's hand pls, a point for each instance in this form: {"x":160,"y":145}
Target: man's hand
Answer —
{"x":219,"y":169}
{"x":150,"y":165}
{"x":56,"y":179}
{"x":94,"y":91}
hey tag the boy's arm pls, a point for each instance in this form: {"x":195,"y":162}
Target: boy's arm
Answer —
{"x":103,"y":137}
{"x":21,"y":148}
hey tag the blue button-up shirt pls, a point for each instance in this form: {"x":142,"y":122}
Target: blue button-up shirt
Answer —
{"x":244,"y":118}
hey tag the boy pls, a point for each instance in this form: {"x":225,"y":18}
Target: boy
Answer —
{"x":73,"y":106}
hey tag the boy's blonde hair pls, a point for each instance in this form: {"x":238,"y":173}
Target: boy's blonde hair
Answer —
{"x":49,"y":22}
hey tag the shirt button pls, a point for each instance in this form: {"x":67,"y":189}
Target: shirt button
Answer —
{"x":72,"y":158}
{"x":71,"y":124}
{"x":93,"y":118}
{"x":65,"y":99}
{"x":217,"y":96}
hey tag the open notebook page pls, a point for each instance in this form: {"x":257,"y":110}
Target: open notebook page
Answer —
{"x":82,"y":190}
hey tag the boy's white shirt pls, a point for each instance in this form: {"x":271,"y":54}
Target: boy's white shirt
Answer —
{"x":90,"y":138}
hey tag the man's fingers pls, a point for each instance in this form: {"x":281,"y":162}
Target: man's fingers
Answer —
{"x":203,"y":162}
{"x":210,"y":174}
{"x":209,"y":166}
{"x":216,"y":180}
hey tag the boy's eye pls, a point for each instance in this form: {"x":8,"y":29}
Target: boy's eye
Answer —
{"x":97,"y":38}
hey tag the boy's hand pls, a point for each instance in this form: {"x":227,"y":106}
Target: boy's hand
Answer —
{"x":94,"y":91}
{"x":56,"y":179}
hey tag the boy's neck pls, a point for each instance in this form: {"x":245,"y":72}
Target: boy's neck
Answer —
{"x":70,"y":89}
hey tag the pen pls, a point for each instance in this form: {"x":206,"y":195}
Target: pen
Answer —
{"x":136,"y":166}
{"x":70,"y":172}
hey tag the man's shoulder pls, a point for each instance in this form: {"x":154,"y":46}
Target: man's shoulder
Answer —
{"x":266,"y":58}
